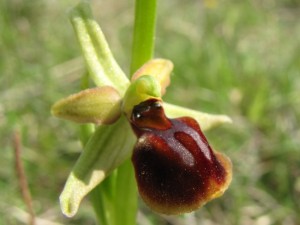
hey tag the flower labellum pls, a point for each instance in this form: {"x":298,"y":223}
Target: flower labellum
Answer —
{"x":176,"y":169}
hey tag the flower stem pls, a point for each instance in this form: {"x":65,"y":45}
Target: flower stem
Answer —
{"x":144,"y":33}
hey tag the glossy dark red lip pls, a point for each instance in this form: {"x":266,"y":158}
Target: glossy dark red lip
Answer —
{"x":176,"y":169}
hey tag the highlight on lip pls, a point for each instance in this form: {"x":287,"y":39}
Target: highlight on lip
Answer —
{"x":176,"y":169}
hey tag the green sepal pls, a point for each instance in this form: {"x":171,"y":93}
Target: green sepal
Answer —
{"x":102,"y":67}
{"x":107,"y":149}
{"x":140,"y":90}
{"x":205,"y":120}
{"x":96,"y":105}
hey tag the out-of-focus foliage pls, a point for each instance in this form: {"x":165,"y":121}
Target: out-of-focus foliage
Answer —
{"x":233,"y":57}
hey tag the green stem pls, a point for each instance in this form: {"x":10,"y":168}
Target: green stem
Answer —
{"x":126,"y":195}
{"x":97,"y":200}
{"x":144,"y":33}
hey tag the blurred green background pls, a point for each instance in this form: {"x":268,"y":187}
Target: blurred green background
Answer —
{"x":240,"y":58}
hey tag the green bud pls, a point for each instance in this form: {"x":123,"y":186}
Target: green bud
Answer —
{"x":141,"y":89}
{"x":97,"y":105}
{"x":159,"y":68}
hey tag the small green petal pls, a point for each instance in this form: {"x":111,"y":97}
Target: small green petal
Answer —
{"x":102,"y":66}
{"x":140,"y":90}
{"x":107,"y":149}
{"x":97,"y":105}
{"x":206,"y":120}
{"x":159,"y":68}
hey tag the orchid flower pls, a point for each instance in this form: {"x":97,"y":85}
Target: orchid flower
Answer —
{"x":176,"y":169}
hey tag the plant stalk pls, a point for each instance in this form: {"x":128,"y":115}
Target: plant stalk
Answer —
{"x":144,"y":33}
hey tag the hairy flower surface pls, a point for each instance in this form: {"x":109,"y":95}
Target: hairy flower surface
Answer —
{"x":175,"y":167}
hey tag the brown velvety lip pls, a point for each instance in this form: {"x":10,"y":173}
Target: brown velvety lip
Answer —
{"x":176,"y":169}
